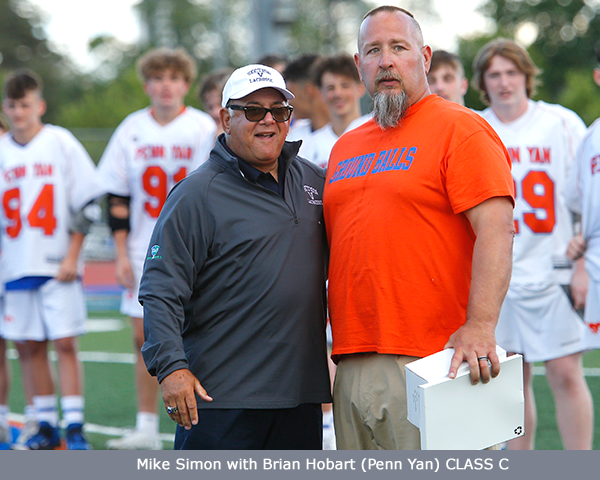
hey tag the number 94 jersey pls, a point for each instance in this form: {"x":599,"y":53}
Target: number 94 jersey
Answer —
{"x":542,"y":145}
{"x":144,"y":160}
{"x":42,"y":185}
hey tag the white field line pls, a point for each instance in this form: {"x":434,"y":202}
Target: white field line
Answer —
{"x":130,"y":358}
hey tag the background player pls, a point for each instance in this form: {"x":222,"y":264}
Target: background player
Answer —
{"x":310,"y":111}
{"x":149,"y":152}
{"x":4,"y":373}
{"x":46,"y":178}
{"x":446,"y":77}
{"x":341,"y":89}
{"x":583,"y":198}
{"x":537,"y":319}
{"x":211,"y":91}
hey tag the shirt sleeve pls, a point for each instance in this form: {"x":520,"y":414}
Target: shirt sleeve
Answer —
{"x":476,"y":170}
{"x":177,"y":250}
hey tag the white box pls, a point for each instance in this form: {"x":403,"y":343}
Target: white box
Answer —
{"x":456,"y":415}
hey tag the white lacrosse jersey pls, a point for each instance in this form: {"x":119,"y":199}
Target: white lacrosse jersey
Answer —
{"x":321,"y":142}
{"x":43,"y":185}
{"x":300,"y":129}
{"x":542,"y":145}
{"x":583,"y":196}
{"x":145,"y":159}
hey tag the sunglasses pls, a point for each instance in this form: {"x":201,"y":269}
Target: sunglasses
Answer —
{"x":256,"y":114}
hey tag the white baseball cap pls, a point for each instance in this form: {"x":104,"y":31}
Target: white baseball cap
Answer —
{"x":251,"y":78}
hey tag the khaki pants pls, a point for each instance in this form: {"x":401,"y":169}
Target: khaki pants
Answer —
{"x":369,"y":403}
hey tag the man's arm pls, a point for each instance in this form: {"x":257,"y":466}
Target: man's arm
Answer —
{"x":166,"y":288}
{"x":493,"y":225}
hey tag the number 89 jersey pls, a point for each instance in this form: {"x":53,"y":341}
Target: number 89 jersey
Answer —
{"x":144,"y":160}
{"x":42,"y":185}
{"x":542,"y":144}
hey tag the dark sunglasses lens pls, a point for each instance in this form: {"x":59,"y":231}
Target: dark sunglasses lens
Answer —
{"x":255,"y":114}
{"x":281,"y":114}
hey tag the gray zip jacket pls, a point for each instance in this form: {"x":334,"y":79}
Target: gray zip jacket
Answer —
{"x":233,"y":287}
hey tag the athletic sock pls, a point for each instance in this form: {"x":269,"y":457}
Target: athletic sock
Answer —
{"x":29,"y":412}
{"x":46,"y":408}
{"x":72,"y":408}
{"x":147,"y":422}
{"x":328,"y":419}
{"x":4,"y":411}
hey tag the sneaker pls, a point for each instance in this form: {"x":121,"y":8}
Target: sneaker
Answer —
{"x":47,"y":438}
{"x":136,"y":440}
{"x":75,"y":438}
{"x":30,"y":428}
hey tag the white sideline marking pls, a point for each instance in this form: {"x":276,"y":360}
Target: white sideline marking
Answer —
{"x":130,"y":359}
{"x":101,"y":429}
{"x":104,"y":325}
{"x":91,"y":357}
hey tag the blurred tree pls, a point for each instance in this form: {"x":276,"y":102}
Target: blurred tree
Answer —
{"x":23,"y":44}
{"x":561,"y":36}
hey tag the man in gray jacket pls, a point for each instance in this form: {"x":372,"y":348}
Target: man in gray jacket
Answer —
{"x":234,"y":284}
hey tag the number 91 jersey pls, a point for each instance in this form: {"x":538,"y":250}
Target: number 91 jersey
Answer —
{"x":542,"y":145}
{"x":144,"y":160}
{"x":42,"y":184}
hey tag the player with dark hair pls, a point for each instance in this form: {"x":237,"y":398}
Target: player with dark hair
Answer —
{"x":147,"y":155}
{"x":538,"y":319}
{"x":46,"y":180}
{"x":310,"y":111}
{"x":210,"y":92}
{"x":446,"y":76}
{"x":341,"y":89}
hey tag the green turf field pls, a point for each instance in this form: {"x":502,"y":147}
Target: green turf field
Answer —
{"x":110,"y":397}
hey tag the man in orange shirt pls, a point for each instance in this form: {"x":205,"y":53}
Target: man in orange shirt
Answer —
{"x":418,"y":209}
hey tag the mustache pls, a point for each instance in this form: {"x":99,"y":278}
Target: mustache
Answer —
{"x":388,"y":75}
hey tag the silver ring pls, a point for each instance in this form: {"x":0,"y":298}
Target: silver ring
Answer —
{"x":171,"y":410}
{"x":483,"y":358}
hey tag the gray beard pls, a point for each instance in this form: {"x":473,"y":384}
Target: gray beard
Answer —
{"x":389,"y":108}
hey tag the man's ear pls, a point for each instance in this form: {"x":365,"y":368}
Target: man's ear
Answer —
{"x":597,"y":76}
{"x":225,"y":117}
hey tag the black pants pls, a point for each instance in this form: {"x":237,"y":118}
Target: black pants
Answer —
{"x":299,"y":428}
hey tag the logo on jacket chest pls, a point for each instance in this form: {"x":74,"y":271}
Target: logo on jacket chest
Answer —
{"x":313,"y":196}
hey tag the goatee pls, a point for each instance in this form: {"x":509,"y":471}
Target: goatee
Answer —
{"x":389,"y":107}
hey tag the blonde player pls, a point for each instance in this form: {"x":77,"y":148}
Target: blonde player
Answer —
{"x":537,"y":318}
{"x":46,"y":179}
{"x":151,"y":150}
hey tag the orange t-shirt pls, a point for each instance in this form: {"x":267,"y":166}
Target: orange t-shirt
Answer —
{"x":401,"y":250}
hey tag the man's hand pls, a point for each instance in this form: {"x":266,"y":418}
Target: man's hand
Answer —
{"x":178,"y":391}
{"x":576,"y":248}
{"x":476,"y":344}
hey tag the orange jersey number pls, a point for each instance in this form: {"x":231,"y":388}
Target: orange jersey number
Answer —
{"x":537,"y":189}
{"x":40,"y":216}
{"x":156,"y":185}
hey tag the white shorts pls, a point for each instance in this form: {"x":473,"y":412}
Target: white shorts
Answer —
{"x":540,"y":324}
{"x":592,"y":315}
{"x":55,"y":310}
{"x":130,"y":304}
